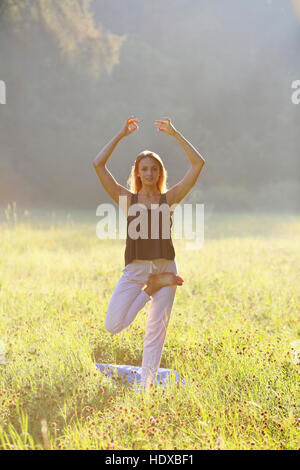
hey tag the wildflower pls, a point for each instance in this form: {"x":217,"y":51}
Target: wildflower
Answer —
{"x":219,"y":442}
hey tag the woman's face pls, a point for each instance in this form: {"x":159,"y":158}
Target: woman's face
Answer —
{"x":148,"y":171}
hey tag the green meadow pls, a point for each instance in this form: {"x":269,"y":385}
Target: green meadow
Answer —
{"x":232,"y":336}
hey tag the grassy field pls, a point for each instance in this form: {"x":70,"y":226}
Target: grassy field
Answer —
{"x":231,"y":335}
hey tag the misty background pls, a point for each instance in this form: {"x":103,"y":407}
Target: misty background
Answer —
{"x":222,"y":71}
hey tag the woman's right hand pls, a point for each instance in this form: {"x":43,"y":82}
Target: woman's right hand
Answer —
{"x":126,"y":130}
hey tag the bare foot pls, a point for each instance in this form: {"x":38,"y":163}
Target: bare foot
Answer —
{"x":156,"y":281}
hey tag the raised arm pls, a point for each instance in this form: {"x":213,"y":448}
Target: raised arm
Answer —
{"x":111,"y":186}
{"x":177,"y":192}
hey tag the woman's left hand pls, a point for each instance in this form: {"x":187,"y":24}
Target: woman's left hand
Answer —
{"x":168,"y":129}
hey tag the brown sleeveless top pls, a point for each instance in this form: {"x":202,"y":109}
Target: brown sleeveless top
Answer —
{"x":147,"y":248}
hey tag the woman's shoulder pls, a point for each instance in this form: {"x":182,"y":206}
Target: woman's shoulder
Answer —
{"x":165,"y":197}
{"x":128,"y":195}
{"x":124,"y":191}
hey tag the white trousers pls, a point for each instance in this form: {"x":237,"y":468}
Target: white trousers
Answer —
{"x":128,"y":299}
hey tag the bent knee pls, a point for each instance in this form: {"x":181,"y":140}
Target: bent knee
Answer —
{"x":111,"y":327}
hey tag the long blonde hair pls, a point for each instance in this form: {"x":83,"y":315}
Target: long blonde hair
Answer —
{"x":134,"y":181}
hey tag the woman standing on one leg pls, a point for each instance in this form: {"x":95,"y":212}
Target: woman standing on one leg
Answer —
{"x":150,"y":271}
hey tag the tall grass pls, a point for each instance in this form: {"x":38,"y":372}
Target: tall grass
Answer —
{"x":231,"y":335}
